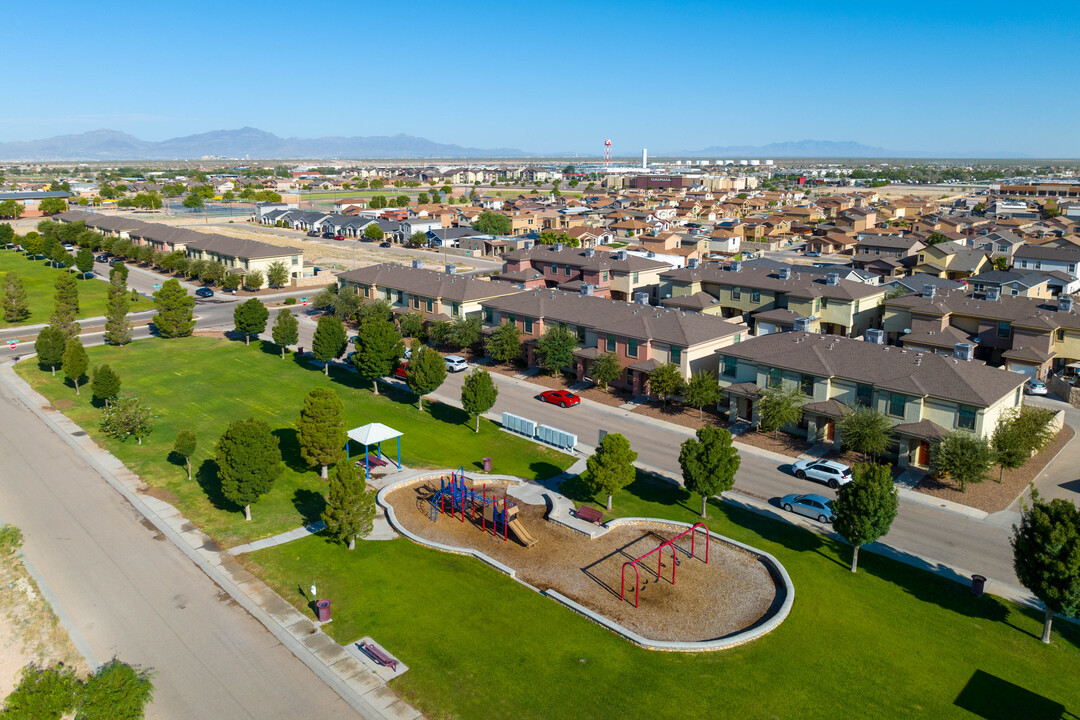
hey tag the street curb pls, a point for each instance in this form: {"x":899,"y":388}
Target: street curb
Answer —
{"x":196,"y":551}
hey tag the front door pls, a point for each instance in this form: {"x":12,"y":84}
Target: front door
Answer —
{"x":922,"y":454}
{"x":830,"y":431}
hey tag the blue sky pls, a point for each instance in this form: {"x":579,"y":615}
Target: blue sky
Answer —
{"x":951,"y":77}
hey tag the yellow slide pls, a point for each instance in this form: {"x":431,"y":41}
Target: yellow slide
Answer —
{"x":521,"y":533}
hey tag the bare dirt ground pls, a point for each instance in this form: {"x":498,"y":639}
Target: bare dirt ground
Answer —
{"x":991,"y":495}
{"x":732,"y":593}
{"x":29,"y":631}
{"x":783,"y":443}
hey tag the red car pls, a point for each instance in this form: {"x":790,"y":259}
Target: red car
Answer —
{"x":339,"y":237}
{"x":400,"y":372}
{"x":565,"y":398}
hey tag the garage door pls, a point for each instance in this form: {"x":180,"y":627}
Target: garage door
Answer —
{"x":1026,"y":370}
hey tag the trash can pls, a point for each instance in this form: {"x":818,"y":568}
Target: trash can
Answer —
{"x":487,"y":464}
{"x":978,"y":583}
{"x":323,"y":608}
{"x":299,"y":349}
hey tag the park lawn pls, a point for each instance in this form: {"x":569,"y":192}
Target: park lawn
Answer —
{"x":202,"y":384}
{"x":39,"y":280}
{"x":890,"y":641}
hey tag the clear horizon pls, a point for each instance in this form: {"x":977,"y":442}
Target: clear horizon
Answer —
{"x":957,"y":79}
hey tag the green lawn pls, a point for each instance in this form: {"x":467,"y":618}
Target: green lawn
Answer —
{"x":38,"y":279}
{"x":202,"y":384}
{"x":891,"y":641}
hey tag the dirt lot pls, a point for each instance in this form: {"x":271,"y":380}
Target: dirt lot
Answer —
{"x":991,"y":495}
{"x":733,"y":592}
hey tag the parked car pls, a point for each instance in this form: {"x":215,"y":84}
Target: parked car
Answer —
{"x":313,"y":233}
{"x":69,"y":247}
{"x":386,"y":243}
{"x":830,"y":472}
{"x":328,"y":235}
{"x":812,"y":253}
{"x":103,"y":257}
{"x":204,"y":292}
{"x":564,"y":398}
{"x":1035,"y":387}
{"x":339,"y":236}
{"x":402,"y":371}
{"x":455,"y":363}
{"x":812,"y":506}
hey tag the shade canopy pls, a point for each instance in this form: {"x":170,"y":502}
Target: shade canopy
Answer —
{"x":373,"y":434}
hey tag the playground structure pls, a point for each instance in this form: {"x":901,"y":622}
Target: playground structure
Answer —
{"x":455,"y":495}
{"x":659,"y":550}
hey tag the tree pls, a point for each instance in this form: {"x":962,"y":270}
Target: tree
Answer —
{"x":709,"y":463}
{"x":865,"y":430}
{"x":11,"y":209}
{"x":250,"y":317}
{"x":1020,"y":433}
{"x":492,"y":223}
{"x":411,"y":325}
{"x":1046,"y":556}
{"x":119,"y":273}
{"x":50,"y":345}
{"x":422,"y":199}
{"x":373,"y":232}
{"x":277,"y":274}
{"x":249,"y":461}
{"x":75,"y":362}
{"x":329,"y":341}
{"x":350,"y":506}
{"x":66,"y":304}
{"x":286,"y":330}
{"x":464,"y":332}
{"x":127,"y":416}
{"x":779,"y":406}
{"x":865,"y":507}
{"x":378,"y":349}
{"x":701,"y":390}
{"x":611,"y":467}
{"x":106,"y":384}
{"x":194,"y":201}
{"x":666,"y":380}
{"x":43,"y":693}
{"x":184,"y":446}
{"x":555,"y":348}
{"x":117,"y":327}
{"x":7,"y":234}
{"x":962,"y":456}
{"x":606,"y":369}
{"x":504,"y":343}
{"x":84,"y":261}
{"x":425,"y":372}
{"x":321,"y":428}
{"x":478,"y":394}
{"x":231,"y":281}
{"x":936,"y":238}
{"x":253,"y":279}
{"x":115,"y":691}
{"x":16,"y":304}
{"x":175,"y":308}
{"x":346,"y":303}
{"x":377,"y":202}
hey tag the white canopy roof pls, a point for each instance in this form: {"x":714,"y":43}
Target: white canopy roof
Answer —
{"x":373,"y":434}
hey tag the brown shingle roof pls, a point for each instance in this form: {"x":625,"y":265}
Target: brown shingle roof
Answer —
{"x":799,"y":285}
{"x":428,"y":283}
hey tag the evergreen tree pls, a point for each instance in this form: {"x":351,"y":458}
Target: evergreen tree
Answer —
{"x":321,"y":428}
{"x":249,"y":461}
{"x":84,"y":260}
{"x":105,"y":385}
{"x":286,"y":330}
{"x":611,"y":467}
{"x":425,"y":372}
{"x":250,"y":318}
{"x":75,"y":362}
{"x":350,"y":506}
{"x":478,"y":394}
{"x":16,"y":304}
{"x":117,"y":327}
{"x":865,"y":507}
{"x":709,"y":463}
{"x":119,"y":274}
{"x":606,"y":369}
{"x":184,"y":446}
{"x":1046,"y":556}
{"x":504,"y":344}
{"x":126,"y":416}
{"x":329,"y":341}
{"x":50,"y":345}
{"x":378,"y":349}
{"x":176,"y":310}
{"x":66,"y":305}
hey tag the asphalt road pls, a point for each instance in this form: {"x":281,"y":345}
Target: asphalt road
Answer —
{"x":128,"y":592}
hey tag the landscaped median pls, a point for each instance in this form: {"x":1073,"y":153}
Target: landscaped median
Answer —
{"x":889,"y":641}
{"x":203,"y":384}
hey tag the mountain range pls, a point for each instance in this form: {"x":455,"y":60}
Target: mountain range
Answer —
{"x":242,"y":143}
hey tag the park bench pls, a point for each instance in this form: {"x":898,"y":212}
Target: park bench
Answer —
{"x":379,"y":655}
{"x":589,"y":514}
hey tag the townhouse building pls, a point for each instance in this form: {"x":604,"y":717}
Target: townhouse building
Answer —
{"x":826,"y":303}
{"x":952,"y":260}
{"x":1047,"y":259}
{"x":641,"y":336}
{"x":925,"y":396}
{"x":617,"y":274}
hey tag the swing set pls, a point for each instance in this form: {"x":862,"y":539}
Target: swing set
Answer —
{"x":692,"y":532}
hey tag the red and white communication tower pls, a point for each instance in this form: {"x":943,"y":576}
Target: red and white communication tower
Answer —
{"x":607,"y":153}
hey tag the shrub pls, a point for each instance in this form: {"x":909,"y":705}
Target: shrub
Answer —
{"x":290,"y":301}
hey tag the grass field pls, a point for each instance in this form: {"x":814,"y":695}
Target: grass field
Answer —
{"x":202,"y":384}
{"x":38,"y":279}
{"x":891,"y":641}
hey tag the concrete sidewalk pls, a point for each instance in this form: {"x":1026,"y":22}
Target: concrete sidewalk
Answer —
{"x":358,"y":685}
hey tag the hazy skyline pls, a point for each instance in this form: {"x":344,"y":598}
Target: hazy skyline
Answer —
{"x":940,"y":78}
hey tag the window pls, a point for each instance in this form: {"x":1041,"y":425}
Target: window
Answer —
{"x":965,"y":419}
{"x":1023,"y":263}
{"x":776,"y":377}
{"x":817,"y":304}
{"x":730,"y":365}
{"x":738,"y":338}
{"x":635,"y":278}
{"x":1016,"y":399}
{"x":806,"y":385}
{"x":1002,"y":247}
{"x":603,"y":276}
{"x":430,"y":305}
{"x":1072,"y":268}
{"x":631,"y":348}
{"x":676,"y":354}
{"x":736,"y":293}
{"x":824,"y":303}
{"x":610,"y":343}
{"x":1013,"y":290}
{"x":755,"y":296}
{"x":855,"y":307}
{"x":455,"y":309}
{"x":1004,"y":328}
{"x":580,"y":333}
{"x":864,"y":395}
{"x":554,"y":269}
{"x":295,"y":260}
{"x":1060,"y":335}
{"x":566,"y":271}
{"x":528,"y":325}
{"x":487,"y":314}
{"x":896,"y":404}
{"x":511,"y":319}
{"x":401,"y":297}
{"x":367,"y":290}
{"x":389,"y":295}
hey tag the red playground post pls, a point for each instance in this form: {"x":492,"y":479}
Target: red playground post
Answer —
{"x":659,"y":549}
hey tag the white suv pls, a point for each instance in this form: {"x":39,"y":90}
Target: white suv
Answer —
{"x":456,"y":363}
{"x":830,"y":472}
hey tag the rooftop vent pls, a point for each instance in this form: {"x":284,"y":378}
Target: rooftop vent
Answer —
{"x":963,"y":351}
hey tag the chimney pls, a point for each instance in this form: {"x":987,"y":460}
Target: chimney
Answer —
{"x":451,"y":269}
{"x":1065,"y":303}
{"x":418,"y":263}
{"x":832,"y":279}
{"x":641,"y":298}
{"x":928,"y":291}
{"x":963,"y":351}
